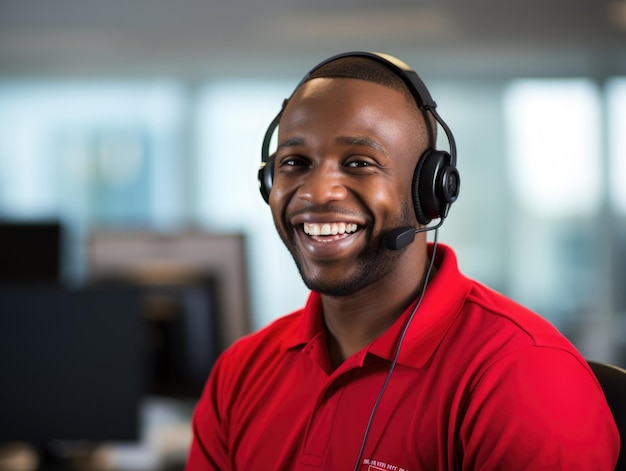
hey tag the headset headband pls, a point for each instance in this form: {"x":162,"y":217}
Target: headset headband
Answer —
{"x":413,"y":82}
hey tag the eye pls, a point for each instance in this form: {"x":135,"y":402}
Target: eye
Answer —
{"x":361,"y":164}
{"x":293,"y":161}
{"x":358,"y":164}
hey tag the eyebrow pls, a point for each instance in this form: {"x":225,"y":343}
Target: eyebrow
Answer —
{"x":291,"y":142}
{"x":344,"y":140}
{"x":361,"y":141}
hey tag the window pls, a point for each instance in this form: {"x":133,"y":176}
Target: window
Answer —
{"x":616,"y":99}
{"x":89,"y":151}
{"x":554,"y":143}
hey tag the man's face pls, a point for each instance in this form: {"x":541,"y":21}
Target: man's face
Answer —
{"x":346,"y":154}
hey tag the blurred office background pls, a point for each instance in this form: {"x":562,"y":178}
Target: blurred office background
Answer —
{"x":131,"y":132}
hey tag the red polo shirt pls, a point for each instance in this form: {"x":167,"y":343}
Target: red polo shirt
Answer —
{"x":481,"y":384}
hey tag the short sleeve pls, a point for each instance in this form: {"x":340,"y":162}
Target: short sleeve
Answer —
{"x":538,"y":409}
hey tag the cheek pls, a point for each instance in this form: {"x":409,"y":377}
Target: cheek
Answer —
{"x":279,"y":199}
{"x":397,"y":194}
{"x":397,"y":204}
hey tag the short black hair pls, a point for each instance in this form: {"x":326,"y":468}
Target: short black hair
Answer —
{"x":364,"y":68}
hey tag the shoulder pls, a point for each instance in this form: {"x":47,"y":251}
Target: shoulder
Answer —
{"x":539,"y":405}
{"x":481,"y":324}
{"x":532,"y":393}
{"x":490,"y":308}
{"x":477,"y":304}
{"x":492,"y":333}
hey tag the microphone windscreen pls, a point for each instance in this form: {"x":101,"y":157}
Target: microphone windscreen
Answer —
{"x":399,"y":238}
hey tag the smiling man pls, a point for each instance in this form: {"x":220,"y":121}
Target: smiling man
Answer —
{"x":397,"y":361}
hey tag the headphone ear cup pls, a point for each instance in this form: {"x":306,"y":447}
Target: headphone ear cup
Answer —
{"x":266,"y":175}
{"x":417,"y":187}
{"x":435,"y":186}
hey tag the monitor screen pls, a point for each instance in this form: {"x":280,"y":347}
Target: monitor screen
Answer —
{"x":180,"y":339}
{"x":70,"y":363}
{"x":30,"y":251}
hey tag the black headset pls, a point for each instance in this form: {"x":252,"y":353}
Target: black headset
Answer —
{"x":436,"y":180}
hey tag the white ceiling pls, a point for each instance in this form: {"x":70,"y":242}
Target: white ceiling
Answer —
{"x":196,"y":38}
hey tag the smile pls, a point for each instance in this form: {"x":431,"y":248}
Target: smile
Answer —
{"x":329,"y":229}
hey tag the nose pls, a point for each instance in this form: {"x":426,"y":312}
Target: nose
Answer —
{"x":323,"y":184}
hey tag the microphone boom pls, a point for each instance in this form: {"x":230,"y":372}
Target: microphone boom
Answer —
{"x":401,"y":237}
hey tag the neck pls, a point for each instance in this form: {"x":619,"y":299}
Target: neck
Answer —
{"x":354,"y":321}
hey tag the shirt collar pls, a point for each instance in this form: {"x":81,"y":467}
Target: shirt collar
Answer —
{"x":442,"y":302}
{"x":311,"y":323}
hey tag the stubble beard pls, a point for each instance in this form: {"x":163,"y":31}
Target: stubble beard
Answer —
{"x":373,"y":264}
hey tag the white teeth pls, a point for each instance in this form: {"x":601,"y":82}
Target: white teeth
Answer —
{"x":333,"y":228}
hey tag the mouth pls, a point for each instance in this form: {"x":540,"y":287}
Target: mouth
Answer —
{"x":329,"y":231}
{"x":328,"y":236}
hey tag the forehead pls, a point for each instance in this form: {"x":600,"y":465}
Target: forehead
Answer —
{"x":342,"y":89}
{"x":348,"y":100}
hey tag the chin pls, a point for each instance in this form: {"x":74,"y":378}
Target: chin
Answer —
{"x":345,"y":286}
{"x":333,"y":290}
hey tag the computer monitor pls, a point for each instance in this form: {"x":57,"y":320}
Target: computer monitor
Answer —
{"x":30,"y":251}
{"x":148,"y":257}
{"x":180,"y":334}
{"x":71,"y":364}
